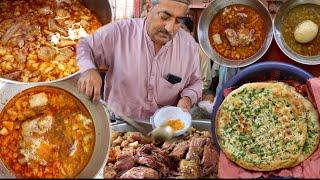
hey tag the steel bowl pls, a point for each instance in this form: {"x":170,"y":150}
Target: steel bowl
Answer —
{"x":249,"y":74}
{"x":283,"y":10}
{"x":100,"y":120}
{"x":204,"y":25}
{"x":104,"y":12}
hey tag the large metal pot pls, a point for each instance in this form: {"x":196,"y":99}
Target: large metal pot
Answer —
{"x":100,"y":120}
{"x":204,"y":25}
{"x":103,"y":10}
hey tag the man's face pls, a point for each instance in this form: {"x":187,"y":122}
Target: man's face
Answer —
{"x":163,"y":21}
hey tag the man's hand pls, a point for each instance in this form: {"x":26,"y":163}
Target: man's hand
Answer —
{"x":90,"y":84}
{"x":185,"y":104}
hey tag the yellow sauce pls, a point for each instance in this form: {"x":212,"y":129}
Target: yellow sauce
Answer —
{"x":175,"y":124}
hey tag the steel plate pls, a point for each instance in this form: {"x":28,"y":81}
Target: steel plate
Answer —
{"x":283,"y":10}
{"x":124,"y":127}
{"x":204,"y":24}
{"x":101,"y":122}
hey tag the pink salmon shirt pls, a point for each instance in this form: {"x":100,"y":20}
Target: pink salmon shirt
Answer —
{"x":135,"y":83}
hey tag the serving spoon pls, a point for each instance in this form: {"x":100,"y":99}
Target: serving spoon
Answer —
{"x":158,"y":135}
{"x":125,"y":118}
{"x":161,"y":134}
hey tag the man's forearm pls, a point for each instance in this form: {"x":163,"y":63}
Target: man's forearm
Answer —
{"x":84,"y":56}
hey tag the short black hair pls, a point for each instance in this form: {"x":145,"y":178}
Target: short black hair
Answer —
{"x":187,"y":21}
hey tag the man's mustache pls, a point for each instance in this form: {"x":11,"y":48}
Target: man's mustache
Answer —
{"x":164,"y":31}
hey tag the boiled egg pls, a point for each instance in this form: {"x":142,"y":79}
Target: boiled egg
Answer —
{"x":306,"y":31}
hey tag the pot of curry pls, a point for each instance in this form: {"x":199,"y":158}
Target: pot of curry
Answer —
{"x":51,"y":131}
{"x":38,"y":38}
{"x":235,"y":33}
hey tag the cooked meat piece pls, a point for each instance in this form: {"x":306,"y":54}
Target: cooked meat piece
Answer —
{"x":141,"y":173}
{"x":64,"y":55}
{"x":210,"y":159}
{"x":38,"y":125}
{"x":153,"y":157}
{"x":246,"y":36}
{"x":124,"y":163}
{"x":148,"y":161}
{"x":180,"y":150}
{"x":189,"y":169}
{"x":232,"y":37}
{"x":109,"y":172}
{"x":38,"y":100}
{"x":12,"y":76}
{"x":46,"y":53}
{"x":117,"y":141}
{"x":114,"y":153}
{"x":136,"y":136}
{"x":124,"y":143}
{"x":128,"y":150}
{"x":134,"y":144}
{"x":54,"y":27}
{"x":206,"y":134}
{"x":196,"y":148}
{"x":242,"y":17}
{"x":116,"y":134}
{"x":9,"y":33}
{"x":168,"y":146}
{"x":200,"y":141}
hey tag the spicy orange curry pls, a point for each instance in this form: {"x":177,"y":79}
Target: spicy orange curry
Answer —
{"x":45,"y":132}
{"x":237,"y":32}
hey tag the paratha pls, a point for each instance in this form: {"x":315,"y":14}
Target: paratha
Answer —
{"x":262,"y":126}
{"x":312,"y":141}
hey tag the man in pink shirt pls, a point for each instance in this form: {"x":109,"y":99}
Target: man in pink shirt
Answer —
{"x":151,"y":62}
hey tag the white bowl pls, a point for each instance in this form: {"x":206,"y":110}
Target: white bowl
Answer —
{"x":171,"y":112}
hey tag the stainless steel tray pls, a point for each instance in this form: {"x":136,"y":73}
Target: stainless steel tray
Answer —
{"x":124,"y":127}
{"x":100,"y":120}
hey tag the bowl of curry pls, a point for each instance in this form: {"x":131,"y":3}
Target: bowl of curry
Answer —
{"x":235,"y":33}
{"x":51,"y":132}
{"x":296,"y":30}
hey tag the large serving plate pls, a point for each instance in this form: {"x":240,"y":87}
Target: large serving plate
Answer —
{"x":97,"y":112}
